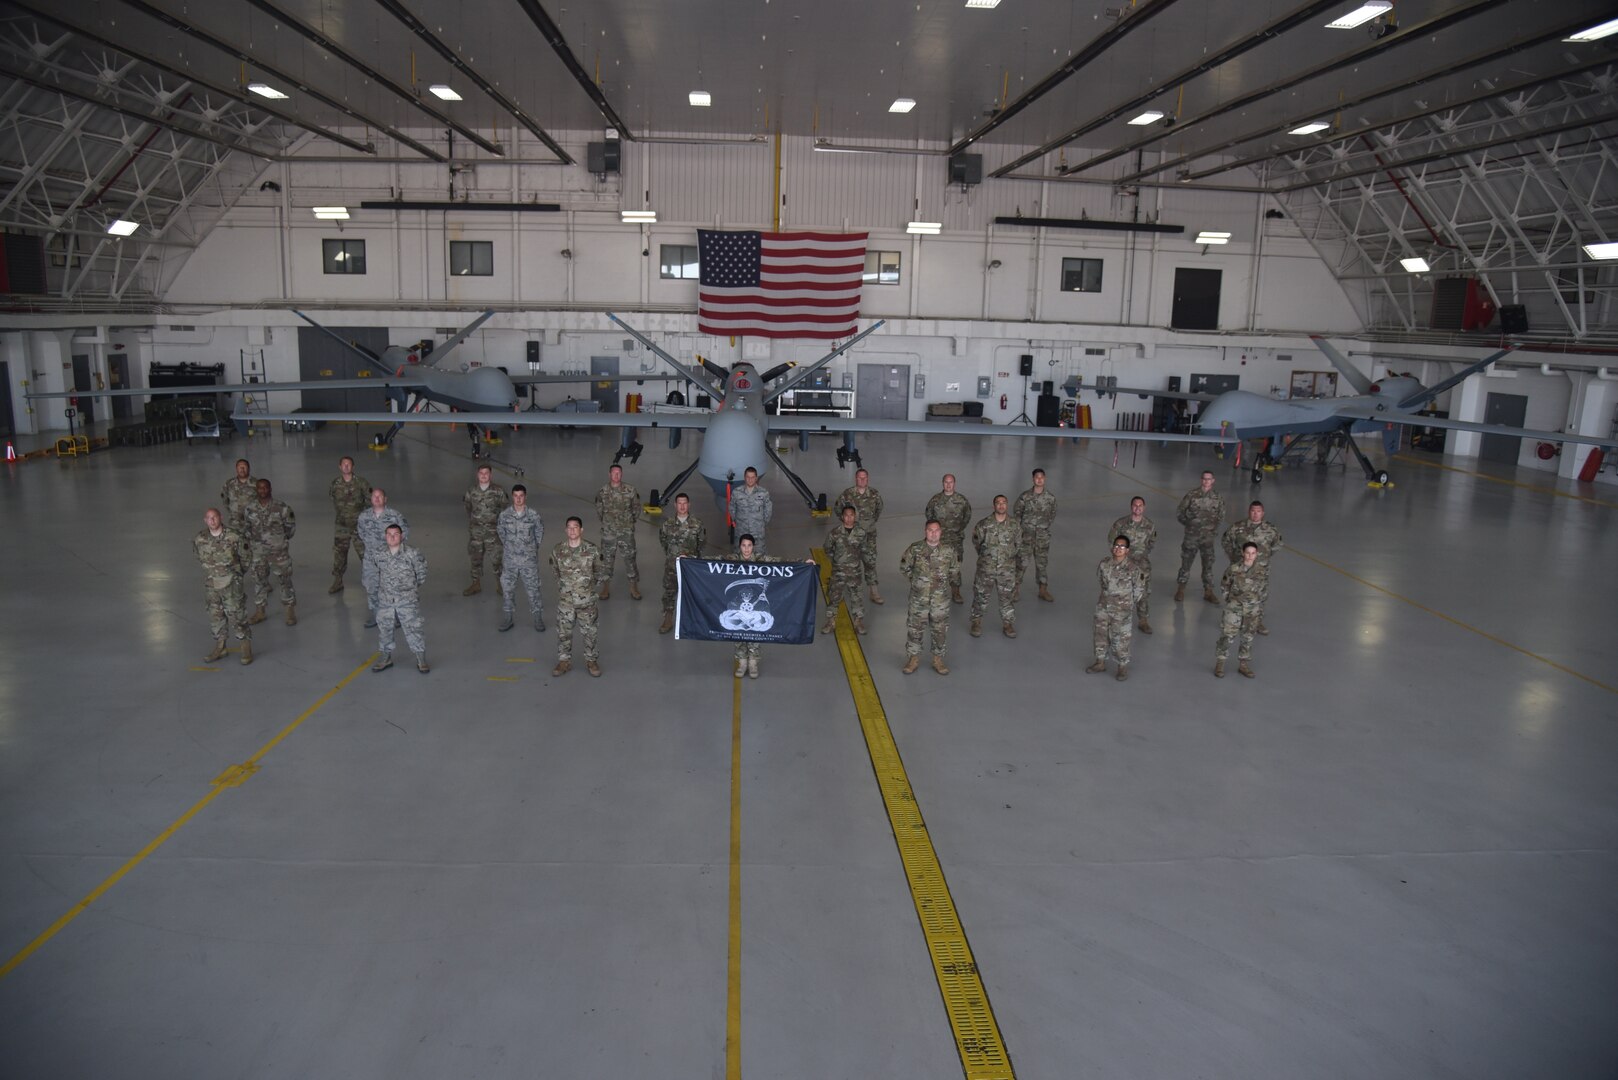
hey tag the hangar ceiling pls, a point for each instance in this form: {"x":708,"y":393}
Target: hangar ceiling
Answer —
{"x":1468,"y":133}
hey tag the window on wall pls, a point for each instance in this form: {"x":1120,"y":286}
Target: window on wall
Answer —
{"x":471,"y":258}
{"x":679,"y":261}
{"x":881,"y":268}
{"x":343,"y":256}
{"x":1081,"y":275}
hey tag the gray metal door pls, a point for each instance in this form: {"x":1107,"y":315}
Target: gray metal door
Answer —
{"x":883,"y":392}
{"x":118,"y":372}
{"x":81,"y":381}
{"x":604,"y":394}
{"x":319,"y":357}
{"x":8,"y":422}
{"x":1509,"y":409}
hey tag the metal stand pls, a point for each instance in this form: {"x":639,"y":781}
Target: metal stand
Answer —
{"x":1022,"y":417}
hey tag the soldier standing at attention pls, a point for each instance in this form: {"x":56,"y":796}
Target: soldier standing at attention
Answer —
{"x":219,"y":550}
{"x":618,"y":507}
{"x":747,"y":651}
{"x":371,"y":532}
{"x":1142,"y":535}
{"x":997,"y":539}
{"x":268,"y":525}
{"x":484,"y":500}
{"x":1115,"y":607}
{"x":401,"y":571}
{"x":1269,"y":541}
{"x":520,"y":534}
{"x":1244,"y":607}
{"x":238,"y":491}
{"x":680,"y":535}
{"x":1036,"y":509}
{"x":1201,"y":510}
{"x":954,"y":516}
{"x":578,"y":569}
{"x":751,"y":508}
{"x":845,"y":547}
{"x":868,"y":502}
{"x":930,"y":566}
{"x":350,"y":495}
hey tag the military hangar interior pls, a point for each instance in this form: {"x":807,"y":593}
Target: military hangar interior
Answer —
{"x":1390,"y":853}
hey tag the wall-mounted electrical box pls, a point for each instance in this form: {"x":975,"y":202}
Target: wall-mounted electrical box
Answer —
{"x":983,"y":386}
{"x":919,"y":387}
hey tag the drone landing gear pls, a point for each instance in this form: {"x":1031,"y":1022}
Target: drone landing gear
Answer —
{"x":849,"y":452}
{"x":663,"y":498}
{"x":816,"y":504}
{"x":1374,"y":477}
{"x":628,"y":447}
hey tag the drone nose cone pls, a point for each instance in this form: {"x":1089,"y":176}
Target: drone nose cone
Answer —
{"x":1376,"y":388}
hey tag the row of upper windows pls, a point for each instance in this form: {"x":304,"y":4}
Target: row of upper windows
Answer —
{"x":475,"y":258}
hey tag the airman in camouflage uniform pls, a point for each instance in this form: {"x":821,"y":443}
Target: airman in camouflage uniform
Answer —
{"x":350,"y":495}
{"x":954,"y":515}
{"x":238,"y":491}
{"x":747,"y":652}
{"x":268,"y":525}
{"x":1036,"y":509}
{"x":930,"y":566}
{"x":751,"y":508}
{"x":1269,"y":541}
{"x":845,"y":548}
{"x":681,"y":534}
{"x":868,"y":502}
{"x":484,"y":500}
{"x":520,"y":534}
{"x":998,"y":540}
{"x":401,"y":572}
{"x":1201,"y":511}
{"x":1142,"y":536}
{"x":1244,"y":584}
{"x":578,"y":567}
{"x":618,"y":508}
{"x":224,"y":562}
{"x":1115,"y":607}
{"x":371,"y":533}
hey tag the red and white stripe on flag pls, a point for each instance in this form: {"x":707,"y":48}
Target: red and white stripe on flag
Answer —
{"x":786,"y":285}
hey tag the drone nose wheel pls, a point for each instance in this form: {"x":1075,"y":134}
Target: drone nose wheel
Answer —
{"x":1258,"y":475}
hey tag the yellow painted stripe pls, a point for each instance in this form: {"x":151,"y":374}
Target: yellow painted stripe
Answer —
{"x":205,"y":669}
{"x":231,"y":777}
{"x":733,"y":962}
{"x":519,"y":659}
{"x":502,"y":678}
{"x":966,"y":1003}
{"x":1540,"y":488}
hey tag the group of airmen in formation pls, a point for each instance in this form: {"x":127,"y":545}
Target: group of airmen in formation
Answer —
{"x":249,"y":540}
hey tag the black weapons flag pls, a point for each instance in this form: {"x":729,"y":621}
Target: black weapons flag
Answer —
{"x":771,"y":603}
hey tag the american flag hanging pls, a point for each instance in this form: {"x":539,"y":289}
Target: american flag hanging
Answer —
{"x":788,"y":285}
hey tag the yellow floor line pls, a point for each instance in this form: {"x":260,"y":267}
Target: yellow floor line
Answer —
{"x":966,"y":1003}
{"x":733,"y":960}
{"x":1502,"y":480}
{"x":231,"y":777}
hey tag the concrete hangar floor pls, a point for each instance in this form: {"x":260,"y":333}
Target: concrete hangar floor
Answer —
{"x":1391,"y":854}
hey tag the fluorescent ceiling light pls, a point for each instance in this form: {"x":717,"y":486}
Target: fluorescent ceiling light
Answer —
{"x":901,"y":105}
{"x":444,"y":92}
{"x":1596,"y":32}
{"x":1206,"y":237}
{"x":1150,"y":116}
{"x":1602,"y":251}
{"x":924,"y":228}
{"x":1362,"y":14}
{"x":700,"y":98}
{"x":1310,"y":128}
{"x":266,"y":90}
{"x":331,"y":213}
{"x":1415,"y":266}
{"x":123,"y":228}
{"x":985,"y":4}
{"x":639,"y":217}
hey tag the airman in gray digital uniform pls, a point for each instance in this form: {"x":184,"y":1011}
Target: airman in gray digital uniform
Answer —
{"x":577,"y":563}
{"x":371,"y":528}
{"x":618,"y":507}
{"x":1036,"y":510}
{"x":751,"y":508}
{"x":350,"y":495}
{"x":224,"y":564}
{"x":1115,"y":608}
{"x":929,"y":565}
{"x":401,"y":572}
{"x":1142,"y":538}
{"x":268,"y":525}
{"x":954,"y":516}
{"x":483,"y":500}
{"x":998,"y":540}
{"x":238,"y":491}
{"x":521,"y":532}
{"x":845,"y":549}
{"x":1269,"y":541}
{"x":868,"y":501}
{"x":1201,"y":511}
{"x":1244,"y":585}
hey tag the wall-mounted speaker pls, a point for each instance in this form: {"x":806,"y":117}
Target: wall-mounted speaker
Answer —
{"x":1514,"y":319}
{"x":1025,"y":364}
{"x":602,"y":157}
{"x":966,"y":169}
{"x":533,"y":352}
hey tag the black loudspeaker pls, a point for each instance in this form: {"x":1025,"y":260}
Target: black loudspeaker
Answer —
{"x":1025,"y":364}
{"x":1514,"y":319}
{"x":1047,"y":387}
{"x":966,"y":169}
{"x":602,"y":157}
{"x":533,"y":352}
{"x":1174,"y":383}
{"x":1048,"y":413}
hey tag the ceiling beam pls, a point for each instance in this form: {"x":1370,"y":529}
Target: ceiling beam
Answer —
{"x":558,"y":42}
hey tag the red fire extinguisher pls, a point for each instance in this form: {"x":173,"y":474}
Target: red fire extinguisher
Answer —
{"x":1002,"y":403}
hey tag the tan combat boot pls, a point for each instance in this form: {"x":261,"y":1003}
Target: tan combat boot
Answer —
{"x":859,"y":626}
{"x":506,"y":621}
{"x":741,"y":669}
{"x":668,"y":622}
{"x":1219,"y":668}
{"x":977,"y":628}
{"x":383,"y":662}
{"x":1008,"y":629}
{"x":911,"y":665}
{"x":473,"y":589}
{"x":1243,"y":669}
{"x":336,"y":585}
{"x":1208,"y":595}
{"x":1179,"y":592}
{"x":876,"y":597}
{"x":826,"y":627}
{"x":562,"y":667}
{"x":1145,"y":625}
{"x":1123,"y":672}
{"x":1262,"y":629}
{"x":1097,"y":668}
{"x":752,"y":667}
{"x":421,"y":663}
{"x":634,"y":589}
{"x":593,"y":668}
{"x":247,"y":651}
{"x":606,"y":590}
{"x":257,"y":616}
{"x":938,"y":665}
{"x":292,"y":614}
{"x":1045,"y":595}
{"x":955,"y":594}
{"x":218,"y":651}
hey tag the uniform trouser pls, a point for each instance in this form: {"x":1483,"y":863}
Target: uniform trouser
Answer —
{"x":1239,"y":621}
{"x":846,"y":587}
{"x":869,"y":552}
{"x":370,"y":577}
{"x":484,"y":538}
{"x":342,"y":537}
{"x":1002,"y":582}
{"x":924,"y":614}
{"x":266,"y":562}
{"x":1035,"y":550}
{"x":409,"y":618}
{"x":227,"y":609}
{"x":584,"y":616}
{"x":528,"y":574}
{"x":1144,"y":608}
{"x":671,"y":584}
{"x":1115,"y":628}
{"x":746,"y":650}
{"x":1192,"y":546}
{"x":958,"y":542}
{"x":614,"y":543}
